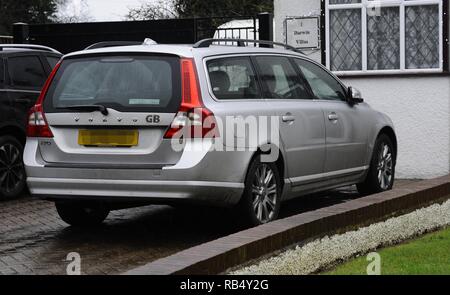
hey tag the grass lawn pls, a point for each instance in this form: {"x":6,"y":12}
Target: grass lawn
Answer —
{"x":429,"y":254}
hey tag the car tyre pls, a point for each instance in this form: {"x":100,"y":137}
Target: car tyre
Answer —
{"x":81,"y":214}
{"x":381,"y":174}
{"x":261,"y":199}
{"x":12,"y":170}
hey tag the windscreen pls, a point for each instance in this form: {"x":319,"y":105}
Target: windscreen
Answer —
{"x":125,"y":83}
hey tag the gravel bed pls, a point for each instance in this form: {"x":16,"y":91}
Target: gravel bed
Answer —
{"x":329,"y":251}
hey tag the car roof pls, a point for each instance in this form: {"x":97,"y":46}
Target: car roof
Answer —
{"x":188,"y":51}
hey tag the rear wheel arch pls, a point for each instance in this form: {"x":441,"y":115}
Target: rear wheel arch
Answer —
{"x":15,"y":132}
{"x":280,"y":163}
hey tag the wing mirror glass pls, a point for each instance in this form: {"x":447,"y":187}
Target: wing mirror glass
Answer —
{"x":354,"y":96}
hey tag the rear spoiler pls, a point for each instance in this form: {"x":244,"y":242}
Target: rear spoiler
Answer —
{"x":112,"y":44}
{"x":119,"y":43}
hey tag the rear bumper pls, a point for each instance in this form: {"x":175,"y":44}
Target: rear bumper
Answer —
{"x":214,"y":193}
{"x":214,"y":177}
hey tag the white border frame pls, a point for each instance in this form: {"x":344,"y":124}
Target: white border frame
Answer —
{"x":385,"y":3}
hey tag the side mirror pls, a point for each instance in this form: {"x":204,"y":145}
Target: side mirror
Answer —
{"x":354,"y":96}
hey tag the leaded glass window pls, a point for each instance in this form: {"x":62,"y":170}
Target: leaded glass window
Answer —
{"x":383,"y":40}
{"x":422,"y":37}
{"x":345,"y":36}
{"x":384,"y":35}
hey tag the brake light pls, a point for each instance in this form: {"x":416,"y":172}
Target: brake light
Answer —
{"x":37,"y":124}
{"x":193,"y":119}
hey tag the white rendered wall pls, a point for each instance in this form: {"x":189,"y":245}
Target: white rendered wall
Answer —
{"x":419,"y":106}
{"x":420,"y":110}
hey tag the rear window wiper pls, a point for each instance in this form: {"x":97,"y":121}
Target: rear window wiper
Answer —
{"x":87,"y":108}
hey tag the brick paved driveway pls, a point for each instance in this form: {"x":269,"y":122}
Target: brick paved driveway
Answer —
{"x":33,"y":240}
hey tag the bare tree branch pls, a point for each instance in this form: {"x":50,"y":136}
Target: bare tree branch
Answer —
{"x":199,"y":8}
{"x":149,"y":11}
{"x":70,"y":12}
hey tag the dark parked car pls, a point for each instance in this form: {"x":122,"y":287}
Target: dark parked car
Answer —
{"x":23,"y":72}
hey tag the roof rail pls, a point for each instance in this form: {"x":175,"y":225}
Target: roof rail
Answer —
{"x":241,"y":43}
{"x":28,"y":46}
{"x":112,"y":44}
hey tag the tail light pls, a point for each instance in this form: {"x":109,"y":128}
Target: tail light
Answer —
{"x":193,"y":119}
{"x":37,"y":124}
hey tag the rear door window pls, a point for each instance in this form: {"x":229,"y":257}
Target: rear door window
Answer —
{"x":26,"y":71}
{"x":281,"y":79}
{"x":233,"y":78}
{"x":124,"y":83}
{"x":322,"y":83}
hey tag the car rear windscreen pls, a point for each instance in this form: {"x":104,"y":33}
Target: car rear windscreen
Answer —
{"x":124,"y":83}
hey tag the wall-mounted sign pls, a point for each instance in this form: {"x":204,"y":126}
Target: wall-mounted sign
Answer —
{"x":303,"y":32}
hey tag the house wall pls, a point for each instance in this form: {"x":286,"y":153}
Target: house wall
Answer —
{"x":418,"y":105}
{"x":420,"y":110}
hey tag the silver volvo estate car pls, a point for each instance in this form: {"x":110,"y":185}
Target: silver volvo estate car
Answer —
{"x":236,"y":126}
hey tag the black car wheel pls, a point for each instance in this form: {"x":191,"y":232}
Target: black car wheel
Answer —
{"x":12,"y":171}
{"x":81,"y":214}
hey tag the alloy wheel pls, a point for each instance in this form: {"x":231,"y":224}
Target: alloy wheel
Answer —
{"x":385,"y":167}
{"x":264,"y":193}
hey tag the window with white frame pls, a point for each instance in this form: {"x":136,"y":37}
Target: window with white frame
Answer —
{"x":384,"y":36}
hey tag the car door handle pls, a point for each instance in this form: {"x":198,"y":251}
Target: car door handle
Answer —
{"x":288,"y":118}
{"x":333,"y":117}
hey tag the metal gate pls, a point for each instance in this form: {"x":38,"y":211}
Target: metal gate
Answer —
{"x":72,"y":37}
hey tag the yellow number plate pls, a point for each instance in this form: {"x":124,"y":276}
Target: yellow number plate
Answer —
{"x":108,"y":138}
